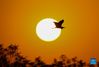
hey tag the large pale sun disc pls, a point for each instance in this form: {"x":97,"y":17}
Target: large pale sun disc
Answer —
{"x":46,"y":30}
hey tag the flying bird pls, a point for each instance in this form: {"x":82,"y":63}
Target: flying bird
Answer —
{"x":59,"y":24}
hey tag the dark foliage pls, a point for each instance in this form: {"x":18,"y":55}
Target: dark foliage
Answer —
{"x":10,"y":57}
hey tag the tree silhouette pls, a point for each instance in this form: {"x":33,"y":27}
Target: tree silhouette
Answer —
{"x":74,"y":60}
{"x":10,"y":57}
{"x":69,"y":63}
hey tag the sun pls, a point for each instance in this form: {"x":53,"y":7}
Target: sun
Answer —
{"x":46,"y":30}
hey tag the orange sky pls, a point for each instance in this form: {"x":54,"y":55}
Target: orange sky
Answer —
{"x":80,"y":37}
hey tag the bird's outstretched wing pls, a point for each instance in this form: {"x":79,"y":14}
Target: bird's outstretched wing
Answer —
{"x":60,"y":22}
{"x":55,"y":22}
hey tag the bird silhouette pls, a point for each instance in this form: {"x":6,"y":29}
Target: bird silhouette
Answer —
{"x":59,"y":24}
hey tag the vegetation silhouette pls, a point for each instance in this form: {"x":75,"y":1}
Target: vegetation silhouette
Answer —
{"x":10,"y":57}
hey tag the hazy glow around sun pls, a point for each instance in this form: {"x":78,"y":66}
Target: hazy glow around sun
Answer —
{"x":46,"y":30}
